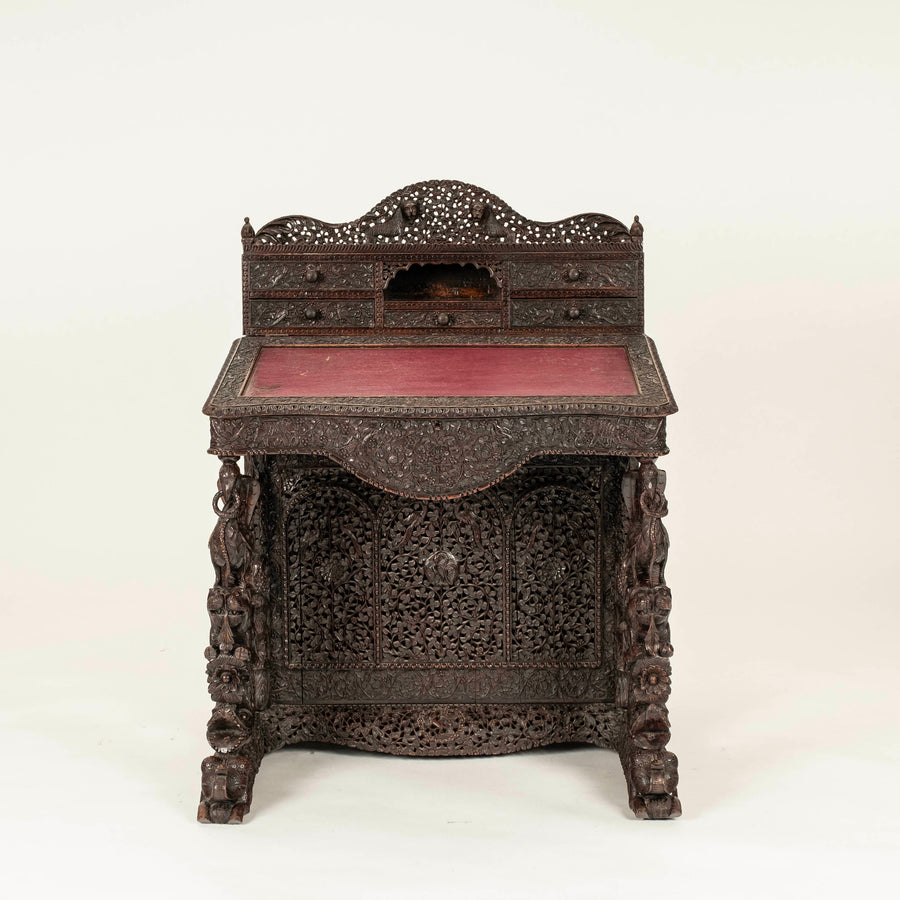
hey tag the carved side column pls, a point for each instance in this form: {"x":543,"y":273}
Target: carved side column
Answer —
{"x":237,"y":653}
{"x":644,"y":671}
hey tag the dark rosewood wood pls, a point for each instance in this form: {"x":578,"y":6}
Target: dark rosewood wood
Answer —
{"x":447,"y":536}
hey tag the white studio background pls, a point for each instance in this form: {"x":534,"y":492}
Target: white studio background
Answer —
{"x":759,"y":144}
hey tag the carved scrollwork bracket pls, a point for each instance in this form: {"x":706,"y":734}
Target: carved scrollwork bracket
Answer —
{"x":237,"y":653}
{"x":644,"y":671}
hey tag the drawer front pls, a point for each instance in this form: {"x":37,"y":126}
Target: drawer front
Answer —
{"x":582,"y":275}
{"x":427,"y":318}
{"x":575,"y":312}
{"x":311,"y":313}
{"x":315,"y":277}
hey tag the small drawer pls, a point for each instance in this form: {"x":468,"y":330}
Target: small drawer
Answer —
{"x":313,"y":277}
{"x":575,"y":312}
{"x":311,"y":313}
{"x":442,"y":318}
{"x":581,"y":275}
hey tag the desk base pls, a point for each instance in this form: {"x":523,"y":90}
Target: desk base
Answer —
{"x":256,"y":647}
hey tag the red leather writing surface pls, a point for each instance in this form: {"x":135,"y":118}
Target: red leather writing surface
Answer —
{"x":471,"y":371}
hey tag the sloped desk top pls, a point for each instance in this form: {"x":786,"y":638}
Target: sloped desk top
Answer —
{"x":427,"y":417}
{"x":412,"y":375}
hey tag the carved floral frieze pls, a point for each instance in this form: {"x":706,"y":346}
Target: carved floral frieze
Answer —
{"x":428,"y":458}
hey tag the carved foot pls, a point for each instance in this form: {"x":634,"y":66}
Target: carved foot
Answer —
{"x":656,"y":806}
{"x":652,"y":777}
{"x":226,"y":789}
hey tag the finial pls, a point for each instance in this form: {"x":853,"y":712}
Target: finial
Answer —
{"x":247,"y":232}
{"x":636,"y":231}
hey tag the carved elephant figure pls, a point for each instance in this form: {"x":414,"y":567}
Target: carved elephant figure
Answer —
{"x":230,"y":543}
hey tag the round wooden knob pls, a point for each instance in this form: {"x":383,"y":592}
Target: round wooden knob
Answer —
{"x":573,"y":274}
{"x":573,"y":312}
{"x":312,"y":274}
{"x":442,"y":319}
{"x":311,"y":313}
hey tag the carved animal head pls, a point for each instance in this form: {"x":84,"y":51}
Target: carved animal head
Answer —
{"x":650,"y":727}
{"x":225,"y":788}
{"x":229,"y":618}
{"x":654,"y":772}
{"x":228,"y":728}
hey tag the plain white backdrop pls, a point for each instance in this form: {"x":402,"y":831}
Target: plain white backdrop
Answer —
{"x":759,"y":144}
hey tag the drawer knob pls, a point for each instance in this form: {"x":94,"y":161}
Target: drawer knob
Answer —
{"x":573,"y":312}
{"x":442,"y":319}
{"x":573,"y":274}
{"x":311,"y":313}
{"x":312,"y":274}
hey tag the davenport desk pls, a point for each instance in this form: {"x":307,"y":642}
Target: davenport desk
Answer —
{"x":446,"y":539}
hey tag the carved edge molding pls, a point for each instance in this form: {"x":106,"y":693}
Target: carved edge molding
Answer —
{"x":442,"y":212}
{"x":442,"y":729}
{"x":238,"y":648}
{"x":644,"y":671}
{"x":432,"y":459}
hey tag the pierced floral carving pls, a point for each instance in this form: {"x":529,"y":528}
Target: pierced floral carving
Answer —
{"x":330,"y":565}
{"x":435,"y":597}
{"x":444,"y":212}
{"x":555,"y":591}
{"x":443,"y":730}
{"x":448,"y":608}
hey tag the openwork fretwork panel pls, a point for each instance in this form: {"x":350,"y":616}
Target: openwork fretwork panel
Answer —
{"x":498,"y":595}
{"x":441,"y":581}
{"x":331,"y":572}
{"x":444,"y":212}
{"x":554,"y":612}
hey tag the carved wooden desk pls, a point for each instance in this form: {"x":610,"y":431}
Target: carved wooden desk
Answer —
{"x":447,"y":537}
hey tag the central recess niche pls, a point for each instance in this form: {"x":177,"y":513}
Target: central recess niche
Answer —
{"x":442,"y":281}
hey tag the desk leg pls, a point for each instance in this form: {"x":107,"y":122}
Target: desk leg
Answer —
{"x":644,"y":649}
{"x":237,"y":652}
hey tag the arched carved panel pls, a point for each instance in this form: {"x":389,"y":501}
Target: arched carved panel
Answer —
{"x":329,"y":544}
{"x":441,"y":581}
{"x":554,"y":609}
{"x":444,"y":212}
